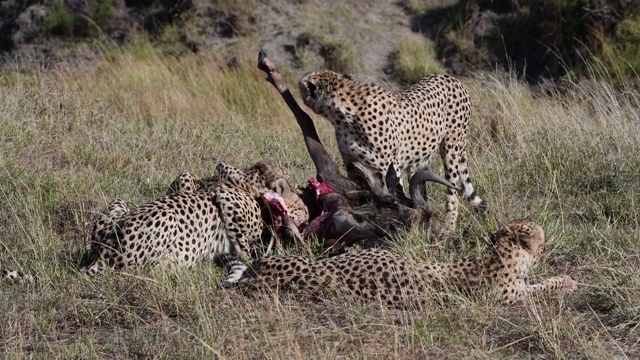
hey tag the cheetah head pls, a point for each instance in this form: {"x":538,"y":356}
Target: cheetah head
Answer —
{"x":296,"y":209}
{"x":288,"y":222}
{"x":268,"y":178}
{"x":265,"y":177}
{"x":316,"y":88}
{"x":521,"y":235}
{"x":259,"y":178}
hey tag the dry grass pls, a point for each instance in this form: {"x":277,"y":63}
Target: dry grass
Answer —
{"x":72,"y":141}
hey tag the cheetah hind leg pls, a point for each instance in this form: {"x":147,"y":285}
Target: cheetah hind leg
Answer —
{"x":116,"y":209}
{"x":457,"y":172}
{"x":451,"y":161}
{"x":103,"y":238}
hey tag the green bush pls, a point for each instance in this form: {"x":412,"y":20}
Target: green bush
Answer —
{"x":413,"y":60}
{"x":60,"y":22}
{"x":339,"y":56}
{"x":620,"y":53}
{"x":102,"y":12}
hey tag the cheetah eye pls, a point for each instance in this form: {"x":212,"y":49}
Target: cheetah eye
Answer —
{"x":312,"y":89}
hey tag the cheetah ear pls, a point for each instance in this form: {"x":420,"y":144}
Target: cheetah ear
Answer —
{"x":494,"y":237}
{"x":221,"y":168}
{"x":503,"y":231}
{"x":280,"y":186}
{"x":347,"y":76}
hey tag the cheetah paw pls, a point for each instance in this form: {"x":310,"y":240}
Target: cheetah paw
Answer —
{"x":569,"y":284}
{"x":565,"y":283}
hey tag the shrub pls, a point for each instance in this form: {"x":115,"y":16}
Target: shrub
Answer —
{"x":60,"y":22}
{"x":414,"y":59}
{"x":339,"y":56}
{"x":620,"y":53}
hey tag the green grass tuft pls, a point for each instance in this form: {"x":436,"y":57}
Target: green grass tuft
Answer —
{"x":339,"y":55}
{"x":414,"y":59}
{"x":60,"y":21}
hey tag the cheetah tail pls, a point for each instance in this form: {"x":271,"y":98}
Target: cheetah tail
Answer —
{"x":234,"y":266}
{"x":17,"y":276}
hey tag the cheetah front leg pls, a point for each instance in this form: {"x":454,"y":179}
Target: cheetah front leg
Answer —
{"x":556,"y":284}
{"x":564,"y":283}
{"x":241,"y":220}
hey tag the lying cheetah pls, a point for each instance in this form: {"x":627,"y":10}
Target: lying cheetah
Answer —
{"x":196,"y":219}
{"x":376,"y":127}
{"x":397,"y":281}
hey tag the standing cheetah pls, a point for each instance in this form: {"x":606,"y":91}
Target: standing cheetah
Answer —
{"x":376,"y":127}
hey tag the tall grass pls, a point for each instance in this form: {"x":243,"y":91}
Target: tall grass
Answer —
{"x":74,"y":140}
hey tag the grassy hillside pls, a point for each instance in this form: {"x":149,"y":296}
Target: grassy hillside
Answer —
{"x":547,"y":39}
{"x":74,"y":140}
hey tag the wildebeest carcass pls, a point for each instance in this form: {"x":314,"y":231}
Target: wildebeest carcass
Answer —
{"x":343,"y":210}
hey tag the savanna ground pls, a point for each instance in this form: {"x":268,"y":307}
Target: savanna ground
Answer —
{"x":74,"y":140}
